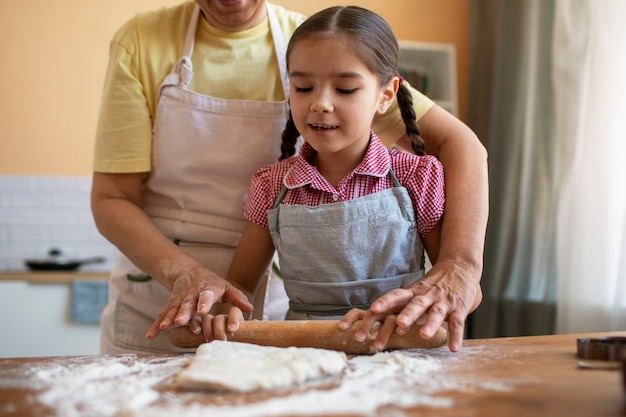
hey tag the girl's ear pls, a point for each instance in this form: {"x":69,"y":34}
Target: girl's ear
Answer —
{"x":388,"y":93}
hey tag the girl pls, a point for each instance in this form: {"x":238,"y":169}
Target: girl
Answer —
{"x":349,"y":218}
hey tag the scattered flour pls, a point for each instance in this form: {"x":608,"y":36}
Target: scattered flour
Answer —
{"x":377,"y":385}
{"x":106,"y":387}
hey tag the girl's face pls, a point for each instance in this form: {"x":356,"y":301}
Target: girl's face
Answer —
{"x":334,"y":96}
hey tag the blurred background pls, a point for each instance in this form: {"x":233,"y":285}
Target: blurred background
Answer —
{"x":540,"y":81}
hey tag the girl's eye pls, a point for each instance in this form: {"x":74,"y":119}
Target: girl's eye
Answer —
{"x":303,"y":89}
{"x":346,"y":90}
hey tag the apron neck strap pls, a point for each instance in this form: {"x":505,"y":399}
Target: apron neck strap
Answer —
{"x":182,"y":72}
{"x":191,"y":32}
{"x":280,"y":47}
{"x":394,"y":179}
{"x":184,"y":67}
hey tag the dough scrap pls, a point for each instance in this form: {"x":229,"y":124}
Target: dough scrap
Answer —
{"x":244,"y":367}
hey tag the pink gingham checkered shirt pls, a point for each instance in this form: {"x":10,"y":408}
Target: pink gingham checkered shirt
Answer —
{"x":422,"y":176}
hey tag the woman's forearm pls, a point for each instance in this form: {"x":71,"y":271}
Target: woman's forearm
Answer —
{"x":116,"y":207}
{"x":467,"y":195}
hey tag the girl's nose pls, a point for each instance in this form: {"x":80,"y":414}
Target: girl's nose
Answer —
{"x":321,"y":104}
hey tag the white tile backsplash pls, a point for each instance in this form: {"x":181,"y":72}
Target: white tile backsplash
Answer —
{"x":38,"y":213}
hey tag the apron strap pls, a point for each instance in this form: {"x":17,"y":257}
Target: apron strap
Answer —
{"x":191,"y":32}
{"x":392,"y":174}
{"x":184,"y":66}
{"x":182,"y":72}
{"x":280,"y":48}
{"x":280,"y":197}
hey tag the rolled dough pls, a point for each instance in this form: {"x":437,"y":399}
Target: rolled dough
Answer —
{"x":245,"y":367}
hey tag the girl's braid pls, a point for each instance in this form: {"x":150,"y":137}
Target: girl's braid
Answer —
{"x":289,"y":139}
{"x":405,"y":102}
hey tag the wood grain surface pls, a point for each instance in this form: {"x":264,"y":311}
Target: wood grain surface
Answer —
{"x":512,"y":377}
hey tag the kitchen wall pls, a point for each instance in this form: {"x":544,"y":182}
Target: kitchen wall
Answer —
{"x":42,"y":212}
{"x":53,"y":64}
{"x":54,"y":56}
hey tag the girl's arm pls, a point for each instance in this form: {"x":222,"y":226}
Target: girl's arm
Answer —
{"x":432,"y":242}
{"x":252,"y":258}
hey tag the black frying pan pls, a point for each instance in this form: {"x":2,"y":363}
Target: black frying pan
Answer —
{"x":56,"y":262}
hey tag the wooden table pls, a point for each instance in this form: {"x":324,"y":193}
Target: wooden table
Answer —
{"x":523,"y":376}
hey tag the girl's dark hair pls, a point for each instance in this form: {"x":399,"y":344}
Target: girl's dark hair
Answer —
{"x":371,"y":38}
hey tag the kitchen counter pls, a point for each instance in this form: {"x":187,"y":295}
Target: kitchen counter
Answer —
{"x":50,"y":277}
{"x":521,"y":376}
{"x":45,"y":312}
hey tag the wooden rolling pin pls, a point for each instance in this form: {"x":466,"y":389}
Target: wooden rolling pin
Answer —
{"x":323,"y":334}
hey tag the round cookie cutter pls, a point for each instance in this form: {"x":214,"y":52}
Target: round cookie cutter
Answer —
{"x":611,"y":348}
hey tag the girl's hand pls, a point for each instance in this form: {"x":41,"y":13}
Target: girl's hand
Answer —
{"x":193,"y":294}
{"x":368,"y":322}
{"x":219,"y":326}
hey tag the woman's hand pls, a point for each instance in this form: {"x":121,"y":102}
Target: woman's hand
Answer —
{"x":193,"y":294}
{"x":447,"y":293}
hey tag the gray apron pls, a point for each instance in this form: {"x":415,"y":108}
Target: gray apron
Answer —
{"x":334,"y":257}
{"x":205,"y":150}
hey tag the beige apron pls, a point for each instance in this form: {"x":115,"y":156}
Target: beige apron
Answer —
{"x":205,"y":150}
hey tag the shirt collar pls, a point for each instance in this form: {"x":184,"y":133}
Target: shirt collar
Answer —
{"x":376,"y":163}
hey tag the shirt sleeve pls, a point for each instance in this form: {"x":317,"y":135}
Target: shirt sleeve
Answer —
{"x":124,"y":131}
{"x":427,"y":190}
{"x":260,"y":198}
